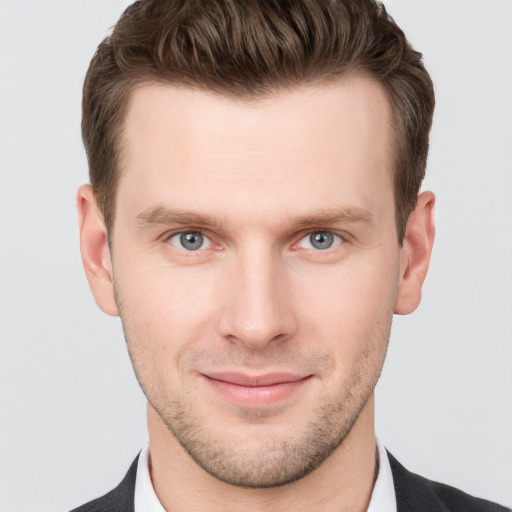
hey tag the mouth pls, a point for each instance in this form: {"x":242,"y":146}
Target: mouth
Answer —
{"x":256,"y":390}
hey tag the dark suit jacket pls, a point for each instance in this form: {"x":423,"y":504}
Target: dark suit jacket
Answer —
{"x":413,"y":494}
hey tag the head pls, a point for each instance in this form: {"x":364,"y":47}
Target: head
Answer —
{"x":254,"y":218}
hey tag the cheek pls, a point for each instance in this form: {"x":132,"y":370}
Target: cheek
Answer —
{"x":161,"y":293}
{"x":350,"y":309}
{"x":164,"y":310}
{"x":349,"y":294}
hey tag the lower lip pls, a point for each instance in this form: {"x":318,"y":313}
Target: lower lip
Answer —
{"x":256,"y":396}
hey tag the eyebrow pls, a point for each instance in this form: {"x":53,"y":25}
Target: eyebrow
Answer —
{"x":336,"y":215}
{"x":162,"y":215}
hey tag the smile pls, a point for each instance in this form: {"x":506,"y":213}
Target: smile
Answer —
{"x":256,"y":391}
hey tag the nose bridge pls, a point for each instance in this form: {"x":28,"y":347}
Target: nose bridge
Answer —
{"x":258,"y":311}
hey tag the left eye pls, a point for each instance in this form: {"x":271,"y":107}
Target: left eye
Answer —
{"x":190,"y":241}
{"x":320,"y":240}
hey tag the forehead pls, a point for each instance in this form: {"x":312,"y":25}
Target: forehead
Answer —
{"x":331,"y":140}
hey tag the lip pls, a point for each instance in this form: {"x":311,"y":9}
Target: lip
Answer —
{"x":256,"y":390}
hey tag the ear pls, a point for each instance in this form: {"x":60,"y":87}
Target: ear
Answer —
{"x":415,"y":254}
{"x":95,"y":250}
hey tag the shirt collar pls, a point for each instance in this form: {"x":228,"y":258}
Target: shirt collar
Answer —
{"x":145,"y":497}
{"x":383,"y":496}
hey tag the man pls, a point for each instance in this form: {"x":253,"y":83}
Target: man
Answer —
{"x":254,"y":219}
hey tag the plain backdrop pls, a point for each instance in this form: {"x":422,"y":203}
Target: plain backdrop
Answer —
{"x":72,"y":416}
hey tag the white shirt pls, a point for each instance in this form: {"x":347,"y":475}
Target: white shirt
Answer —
{"x":383,"y":495}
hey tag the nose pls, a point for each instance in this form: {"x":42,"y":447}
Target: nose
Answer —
{"x":258,"y":309}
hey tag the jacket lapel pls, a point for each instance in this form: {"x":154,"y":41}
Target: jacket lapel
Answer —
{"x":119,"y":499}
{"x":412,"y":492}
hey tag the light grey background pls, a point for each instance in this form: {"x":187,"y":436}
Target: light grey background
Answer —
{"x":72,"y":416}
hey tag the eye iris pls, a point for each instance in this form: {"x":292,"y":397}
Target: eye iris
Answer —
{"x":321,"y":240}
{"x":191,"y":241}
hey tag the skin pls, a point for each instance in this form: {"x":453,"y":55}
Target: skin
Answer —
{"x":257,"y":178}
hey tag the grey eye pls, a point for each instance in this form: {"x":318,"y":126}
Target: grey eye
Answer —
{"x":189,"y":240}
{"x":320,"y":240}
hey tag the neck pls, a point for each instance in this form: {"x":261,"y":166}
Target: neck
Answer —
{"x":343,"y":482}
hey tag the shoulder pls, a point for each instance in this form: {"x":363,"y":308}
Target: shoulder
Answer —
{"x":119,"y":499}
{"x":415,"y":493}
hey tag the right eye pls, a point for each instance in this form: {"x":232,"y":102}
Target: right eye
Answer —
{"x":320,"y":240}
{"x":190,"y":241}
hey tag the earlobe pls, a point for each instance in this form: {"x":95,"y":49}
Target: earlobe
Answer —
{"x":95,"y":250}
{"x":415,"y":254}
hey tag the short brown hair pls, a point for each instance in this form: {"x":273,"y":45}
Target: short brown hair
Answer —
{"x":248,"y":48}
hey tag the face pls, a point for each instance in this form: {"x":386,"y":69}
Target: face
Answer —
{"x":256,"y":267}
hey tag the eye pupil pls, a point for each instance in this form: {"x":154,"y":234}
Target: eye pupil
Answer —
{"x":192,"y":240}
{"x":321,"y":239}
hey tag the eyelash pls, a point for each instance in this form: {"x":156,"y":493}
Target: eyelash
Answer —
{"x":337,"y":240}
{"x":205,"y":238}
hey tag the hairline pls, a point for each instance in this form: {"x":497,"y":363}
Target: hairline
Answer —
{"x":249,"y":97}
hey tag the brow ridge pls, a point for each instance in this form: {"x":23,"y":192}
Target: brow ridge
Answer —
{"x":165,"y":215}
{"x":335,"y":215}
{"x":162,"y":215}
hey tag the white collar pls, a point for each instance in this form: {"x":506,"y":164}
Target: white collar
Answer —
{"x":383,"y":495}
{"x":145,"y":499}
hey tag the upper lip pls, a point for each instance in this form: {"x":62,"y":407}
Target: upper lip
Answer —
{"x":242,"y":379}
